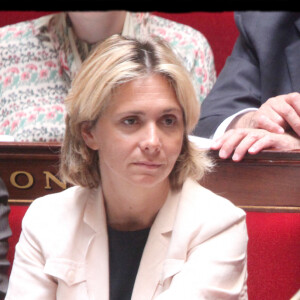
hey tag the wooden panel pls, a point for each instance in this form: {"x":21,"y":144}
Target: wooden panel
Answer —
{"x":29,"y":170}
{"x":268,"y":181}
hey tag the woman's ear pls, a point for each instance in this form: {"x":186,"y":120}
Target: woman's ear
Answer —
{"x":88,"y":135}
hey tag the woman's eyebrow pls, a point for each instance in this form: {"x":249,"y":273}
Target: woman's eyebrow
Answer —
{"x":173,"y":109}
{"x":141,"y":112}
{"x":131,"y":112}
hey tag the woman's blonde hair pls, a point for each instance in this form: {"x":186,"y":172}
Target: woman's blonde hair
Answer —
{"x":114,"y":62}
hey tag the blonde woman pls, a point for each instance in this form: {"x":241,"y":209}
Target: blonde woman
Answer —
{"x":136,"y":224}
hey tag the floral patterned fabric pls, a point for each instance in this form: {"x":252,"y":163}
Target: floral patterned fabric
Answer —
{"x":39,"y":58}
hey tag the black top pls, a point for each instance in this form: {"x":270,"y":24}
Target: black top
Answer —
{"x":125,"y":252}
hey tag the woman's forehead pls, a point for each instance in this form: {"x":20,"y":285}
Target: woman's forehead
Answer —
{"x":153,"y":90}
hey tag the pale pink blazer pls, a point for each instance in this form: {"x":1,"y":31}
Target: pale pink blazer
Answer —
{"x":196,"y":249}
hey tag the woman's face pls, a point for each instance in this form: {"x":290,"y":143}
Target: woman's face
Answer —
{"x":139,"y":136}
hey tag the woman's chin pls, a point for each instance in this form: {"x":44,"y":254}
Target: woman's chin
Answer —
{"x":148,"y":181}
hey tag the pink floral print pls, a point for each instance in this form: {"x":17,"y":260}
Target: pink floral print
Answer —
{"x":37,"y":66}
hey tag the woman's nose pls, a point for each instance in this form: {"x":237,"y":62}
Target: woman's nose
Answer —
{"x":151,"y":141}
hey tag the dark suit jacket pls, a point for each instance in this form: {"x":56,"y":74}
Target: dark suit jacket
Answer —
{"x":5,"y":233}
{"x":265,"y":62}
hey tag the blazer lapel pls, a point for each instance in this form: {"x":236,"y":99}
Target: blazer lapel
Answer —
{"x":97,"y":257}
{"x":292,"y":52}
{"x":155,"y":253}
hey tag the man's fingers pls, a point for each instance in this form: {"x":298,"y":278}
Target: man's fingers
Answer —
{"x":228,"y":142}
{"x":245,"y":144}
{"x":264,"y":122}
{"x":293,"y":117}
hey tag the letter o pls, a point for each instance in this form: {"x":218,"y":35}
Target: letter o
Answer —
{"x":13,"y":181}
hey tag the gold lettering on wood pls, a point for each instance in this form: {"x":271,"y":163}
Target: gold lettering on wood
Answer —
{"x":14,"y":176}
{"x":50,"y":176}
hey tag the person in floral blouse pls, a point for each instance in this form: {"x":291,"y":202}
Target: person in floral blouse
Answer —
{"x":39,"y":58}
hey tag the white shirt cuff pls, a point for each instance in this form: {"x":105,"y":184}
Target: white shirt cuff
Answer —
{"x":224,"y":125}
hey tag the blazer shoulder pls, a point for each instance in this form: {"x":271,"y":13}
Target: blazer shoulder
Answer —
{"x":266,"y":21}
{"x":205,"y":211}
{"x":207,"y":201}
{"x":203,"y":214}
{"x":55,"y":207}
{"x":66,"y":196}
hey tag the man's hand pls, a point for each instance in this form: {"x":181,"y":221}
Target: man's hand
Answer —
{"x":243,"y":140}
{"x":276,"y":115}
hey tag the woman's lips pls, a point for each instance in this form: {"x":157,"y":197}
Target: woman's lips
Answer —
{"x":148,"y":164}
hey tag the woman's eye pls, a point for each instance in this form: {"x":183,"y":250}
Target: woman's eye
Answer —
{"x":130,"y":121}
{"x":169,"y":120}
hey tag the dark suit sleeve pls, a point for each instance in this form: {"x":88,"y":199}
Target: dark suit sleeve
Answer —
{"x":5,"y":233}
{"x":238,"y":84}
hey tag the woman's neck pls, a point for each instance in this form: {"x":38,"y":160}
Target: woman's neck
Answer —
{"x":131,"y":208}
{"x":93,"y":27}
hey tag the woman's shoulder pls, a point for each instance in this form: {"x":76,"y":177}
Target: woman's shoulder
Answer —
{"x":24,"y":29}
{"x":209,"y":204}
{"x":58,"y":217}
{"x":185,"y":38}
{"x":58,"y":206}
{"x":168,"y":27}
{"x":203,"y":214}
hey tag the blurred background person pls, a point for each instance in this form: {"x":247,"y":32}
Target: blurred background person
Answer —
{"x":39,"y":59}
{"x":256,"y":97}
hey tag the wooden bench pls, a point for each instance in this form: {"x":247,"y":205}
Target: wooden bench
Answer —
{"x":265,"y":182}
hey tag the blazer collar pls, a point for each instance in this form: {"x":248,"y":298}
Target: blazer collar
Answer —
{"x":155,"y":252}
{"x":94,"y":213}
{"x":97,"y":257}
{"x":292,"y":55}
